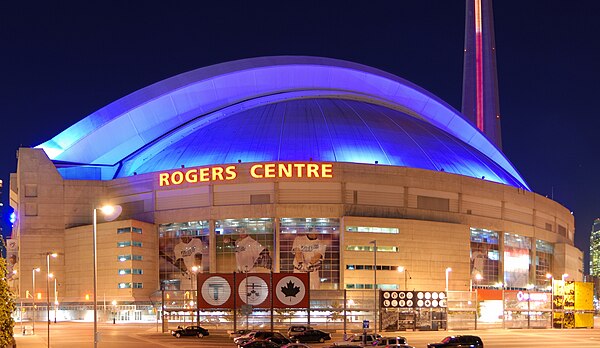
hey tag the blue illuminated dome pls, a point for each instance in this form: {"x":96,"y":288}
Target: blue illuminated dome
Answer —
{"x":277,"y":109}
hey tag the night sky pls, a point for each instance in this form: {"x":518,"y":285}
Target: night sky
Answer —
{"x":62,"y":61}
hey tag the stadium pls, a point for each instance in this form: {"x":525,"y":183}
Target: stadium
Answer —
{"x":316,"y":166}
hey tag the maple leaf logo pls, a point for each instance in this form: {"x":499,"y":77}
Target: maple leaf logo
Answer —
{"x":290,"y":289}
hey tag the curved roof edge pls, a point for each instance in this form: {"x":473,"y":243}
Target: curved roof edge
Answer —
{"x":115,"y":131}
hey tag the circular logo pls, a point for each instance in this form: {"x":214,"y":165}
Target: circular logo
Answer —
{"x":402,"y":295}
{"x":394,"y":295}
{"x":409,"y":303}
{"x":442,"y":303}
{"x":409,"y":295}
{"x":427,"y":295}
{"x":442,"y":295}
{"x":420,"y":295}
{"x":427,"y":303}
{"x":386,"y":295}
{"x":420,"y":303}
{"x":434,"y":295}
{"x":290,"y":290}
{"x":216,"y":291}
{"x":253,"y":290}
{"x":386,"y":303}
{"x":394,"y":303}
{"x":434,"y":303}
{"x":401,"y":303}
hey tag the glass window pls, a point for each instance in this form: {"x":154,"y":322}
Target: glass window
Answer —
{"x":380,"y":248}
{"x":123,"y":258}
{"x":182,"y":245}
{"x":123,"y":244}
{"x":125,"y":285}
{"x":311,"y":245}
{"x":244,"y":245}
{"x":517,"y":259}
{"x":372,"y":229}
{"x":130,"y":271}
{"x":138,"y":285}
{"x":484,"y":257}
{"x":544,"y":253}
{"x":123,"y":230}
{"x":136,"y":230}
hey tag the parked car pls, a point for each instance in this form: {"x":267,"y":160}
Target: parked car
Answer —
{"x":358,"y":338}
{"x":260,"y":344}
{"x":294,"y":329}
{"x":274,"y":337}
{"x":458,"y":341}
{"x":295,"y":345}
{"x":191,"y":330}
{"x":311,"y":335}
{"x":238,"y":333}
{"x":388,"y":342}
{"x":245,"y":338}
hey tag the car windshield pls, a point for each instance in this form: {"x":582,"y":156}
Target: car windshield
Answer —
{"x":449,"y":339}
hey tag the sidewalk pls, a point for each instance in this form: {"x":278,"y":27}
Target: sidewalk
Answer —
{"x":30,"y":341}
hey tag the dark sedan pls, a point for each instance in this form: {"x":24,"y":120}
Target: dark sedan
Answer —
{"x":190,"y":331}
{"x":311,"y":336}
{"x":260,"y":344}
{"x":463,"y":341}
{"x":274,"y":337}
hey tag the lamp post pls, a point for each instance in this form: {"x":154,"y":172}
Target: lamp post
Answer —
{"x":35,"y":269}
{"x":55,"y":300}
{"x":110,"y":213}
{"x":551,"y":278}
{"x":374,"y":242}
{"x":403,"y":269}
{"x":194,"y":293}
{"x":49,"y":275}
{"x":448,"y":270}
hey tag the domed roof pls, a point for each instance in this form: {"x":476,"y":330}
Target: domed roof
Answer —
{"x":277,"y":109}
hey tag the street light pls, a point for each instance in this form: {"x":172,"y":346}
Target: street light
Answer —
{"x":35,"y":269}
{"x":403,"y":269}
{"x":110,"y":213}
{"x":374,"y":242}
{"x":448,"y":270}
{"x":55,"y":300}
{"x":49,"y":275}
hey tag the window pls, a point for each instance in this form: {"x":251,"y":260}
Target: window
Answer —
{"x":372,"y":229}
{"x":129,"y":257}
{"x":544,"y":252}
{"x":234,"y":235}
{"x":516,"y":260}
{"x":370,"y":286}
{"x":485,"y":257}
{"x":130,"y":271}
{"x":131,"y":285}
{"x":176,"y":241}
{"x":370,"y":267}
{"x":128,"y":244}
{"x":123,"y":230}
{"x":136,"y":230}
{"x":382,"y":248}
{"x":307,"y":237}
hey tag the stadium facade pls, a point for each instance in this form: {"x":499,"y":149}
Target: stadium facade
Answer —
{"x":284,"y":150}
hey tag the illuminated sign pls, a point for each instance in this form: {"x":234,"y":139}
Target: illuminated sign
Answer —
{"x":533,"y":296}
{"x":257,"y":171}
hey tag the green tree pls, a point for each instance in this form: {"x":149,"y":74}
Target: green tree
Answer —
{"x":7,"y":307}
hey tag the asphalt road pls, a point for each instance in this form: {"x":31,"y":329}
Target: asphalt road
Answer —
{"x":79,"y":335}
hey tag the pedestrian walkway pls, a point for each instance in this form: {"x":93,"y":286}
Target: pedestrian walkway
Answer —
{"x":30,"y":341}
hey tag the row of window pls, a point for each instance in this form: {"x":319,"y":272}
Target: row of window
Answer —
{"x":131,"y":271}
{"x":129,"y":257}
{"x":131,"y":285}
{"x":384,"y":249}
{"x":129,"y":230}
{"x":370,"y":267}
{"x":129,"y":243}
{"x":370,"y":286}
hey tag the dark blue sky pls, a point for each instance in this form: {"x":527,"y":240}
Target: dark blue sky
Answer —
{"x":62,"y":61}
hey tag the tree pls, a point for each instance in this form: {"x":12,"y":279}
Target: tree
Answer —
{"x":7,"y":308}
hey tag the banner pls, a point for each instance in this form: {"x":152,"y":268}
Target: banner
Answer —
{"x":257,"y":290}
